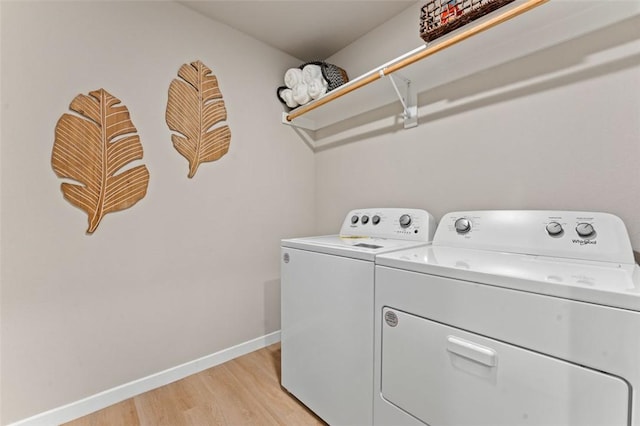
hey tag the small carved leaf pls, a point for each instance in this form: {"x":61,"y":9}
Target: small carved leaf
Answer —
{"x":194,"y":107}
{"x":91,"y":148}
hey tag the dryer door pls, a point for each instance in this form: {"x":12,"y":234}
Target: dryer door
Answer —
{"x":445,"y":376}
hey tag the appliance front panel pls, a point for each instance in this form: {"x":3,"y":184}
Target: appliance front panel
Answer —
{"x":599,"y":337}
{"x":445,"y":376}
{"x":327,"y":334}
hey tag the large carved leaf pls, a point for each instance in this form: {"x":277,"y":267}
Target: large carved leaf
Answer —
{"x":194,"y":110}
{"x":91,"y":148}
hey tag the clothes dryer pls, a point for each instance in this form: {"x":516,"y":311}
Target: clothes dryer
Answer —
{"x":510,"y":318}
{"x":327,"y":310}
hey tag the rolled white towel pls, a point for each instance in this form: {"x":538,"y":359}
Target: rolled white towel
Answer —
{"x":292,"y":77}
{"x":311,"y":72}
{"x":301,"y":94}
{"x":287,"y":97}
{"x":317,"y":87}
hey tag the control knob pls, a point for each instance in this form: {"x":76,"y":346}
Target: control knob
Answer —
{"x":462,"y":225}
{"x":554,"y":228}
{"x":405,"y":221}
{"x":354,"y":219}
{"x":365,"y":219}
{"x":375,"y":220}
{"x":585,"y":230}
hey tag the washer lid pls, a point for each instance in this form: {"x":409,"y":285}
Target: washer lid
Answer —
{"x":604,"y":283}
{"x":364,"y":248}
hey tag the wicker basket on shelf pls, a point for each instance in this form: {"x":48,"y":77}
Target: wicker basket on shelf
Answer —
{"x":440,"y":17}
{"x":334,"y":75}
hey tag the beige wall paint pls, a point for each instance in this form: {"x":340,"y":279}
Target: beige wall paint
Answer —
{"x":556,"y":129}
{"x":191,"y":269}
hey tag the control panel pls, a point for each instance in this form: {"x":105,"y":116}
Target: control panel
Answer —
{"x":577,"y":235}
{"x":396,"y":223}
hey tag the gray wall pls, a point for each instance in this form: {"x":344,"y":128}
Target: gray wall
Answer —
{"x":191,"y":269}
{"x":555,"y":129}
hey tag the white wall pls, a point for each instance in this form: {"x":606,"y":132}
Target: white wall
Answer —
{"x":191,"y":269}
{"x":556,"y":129}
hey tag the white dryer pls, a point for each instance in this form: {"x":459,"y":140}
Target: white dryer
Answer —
{"x":327,"y":310}
{"x":510,"y":318}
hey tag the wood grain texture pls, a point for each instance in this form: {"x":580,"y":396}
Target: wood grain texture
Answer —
{"x":194,"y":110}
{"x":243,"y":391}
{"x":90,"y":148}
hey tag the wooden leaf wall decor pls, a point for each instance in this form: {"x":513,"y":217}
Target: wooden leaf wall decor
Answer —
{"x":91,"y":148}
{"x":194,"y":107}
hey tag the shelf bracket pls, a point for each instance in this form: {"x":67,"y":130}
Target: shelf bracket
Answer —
{"x":408,"y":98}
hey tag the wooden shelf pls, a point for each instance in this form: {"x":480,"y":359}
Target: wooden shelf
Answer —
{"x":464,"y":52}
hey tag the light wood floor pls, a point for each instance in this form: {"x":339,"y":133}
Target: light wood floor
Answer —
{"x":244,"y":391}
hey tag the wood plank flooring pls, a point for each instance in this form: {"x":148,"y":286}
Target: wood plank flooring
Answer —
{"x":243,"y":391}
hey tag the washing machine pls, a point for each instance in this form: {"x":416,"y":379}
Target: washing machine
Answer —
{"x":327,"y":310}
{"x":510,"y":318}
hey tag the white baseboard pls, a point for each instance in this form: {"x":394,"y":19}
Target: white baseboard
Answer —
{"x":112,"y":396}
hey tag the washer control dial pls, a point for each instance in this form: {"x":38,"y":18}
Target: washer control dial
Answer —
{"x":375,"y":220}
{"x":554,"y":229}
{"x":585,"y":230}
{"x":462,"y":225}
{"x":365,"y":219}
{"x":354,"y":219}
{"x":405,"y":221}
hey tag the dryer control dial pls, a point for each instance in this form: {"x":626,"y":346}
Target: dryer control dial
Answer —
{"x":585,"y":230}
{"x":554,"y":229}
{"x":375,"y":219}
{"x":405,"y":221}
{"x":354,"y":219}
{"x":365,"y":219}
{"x":462,"y":225}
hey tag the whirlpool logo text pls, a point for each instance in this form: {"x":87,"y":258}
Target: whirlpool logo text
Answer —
{"x":584,"y":242}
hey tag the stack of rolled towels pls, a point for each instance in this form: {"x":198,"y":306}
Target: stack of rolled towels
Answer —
{"x":303,"y":85}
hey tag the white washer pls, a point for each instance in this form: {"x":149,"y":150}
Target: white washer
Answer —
{"x":510,"y":318}
{"x":327,"y":310}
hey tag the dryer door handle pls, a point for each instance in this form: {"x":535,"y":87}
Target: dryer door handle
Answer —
{"x":472,"y":351}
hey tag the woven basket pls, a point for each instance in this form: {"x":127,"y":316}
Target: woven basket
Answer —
{"x":334,"y":75}
{"x":440,"y":17}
